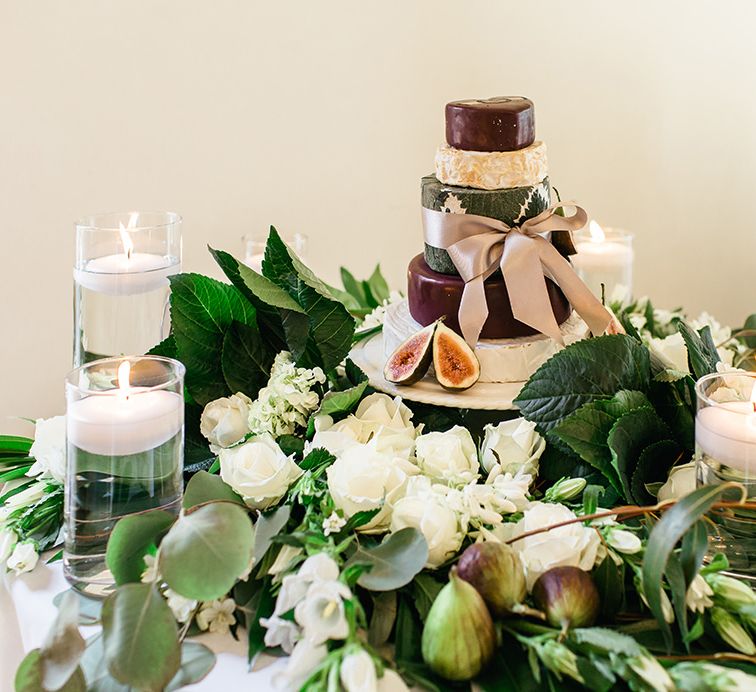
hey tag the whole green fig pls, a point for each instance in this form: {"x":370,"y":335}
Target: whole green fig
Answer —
{"x":568,"y":597}
{"x":459,"y":636}
{"x":496,"y":572}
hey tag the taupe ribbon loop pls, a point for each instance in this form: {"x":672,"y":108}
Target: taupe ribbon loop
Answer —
{"x":478,"y":245}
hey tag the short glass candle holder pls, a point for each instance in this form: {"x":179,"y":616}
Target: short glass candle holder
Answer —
{"x":253,"y":248}
{"x":725,"y":452}
{"x":125,"y":452}
{"x":121,"y":287}
{"x":605,"y":257}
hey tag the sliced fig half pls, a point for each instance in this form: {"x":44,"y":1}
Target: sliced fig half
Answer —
{"x":412,"y":358}
{"x":454,"y":362}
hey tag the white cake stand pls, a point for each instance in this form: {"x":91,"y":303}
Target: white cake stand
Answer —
{"x":488,"y":396}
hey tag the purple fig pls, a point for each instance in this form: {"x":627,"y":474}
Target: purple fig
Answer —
{"x":567,"y":596}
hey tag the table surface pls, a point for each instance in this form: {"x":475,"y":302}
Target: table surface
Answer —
{"x":27,"y":612}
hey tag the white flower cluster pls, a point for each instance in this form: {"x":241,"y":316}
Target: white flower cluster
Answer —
{"x":377,"y":317}
{"x":281,"y":407}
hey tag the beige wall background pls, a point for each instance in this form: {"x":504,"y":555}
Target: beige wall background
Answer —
{"x":321,"y":117}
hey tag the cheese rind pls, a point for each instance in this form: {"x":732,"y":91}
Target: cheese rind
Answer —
{"x":492,"y":170}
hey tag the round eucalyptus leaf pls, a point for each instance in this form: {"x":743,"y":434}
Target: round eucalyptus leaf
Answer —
{"x":204,"y":553}
{"x":29,"y":676}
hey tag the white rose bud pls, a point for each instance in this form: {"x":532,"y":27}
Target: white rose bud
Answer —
{"x":224,"y":422}
{"x":357,"y":672}
{"x":680,"y":482}
{"x":23,"y":558}
{"x":513,"y":444}
{"x":671,"y":351}
{"x":259,"y":471}
{"x":448,"y":457}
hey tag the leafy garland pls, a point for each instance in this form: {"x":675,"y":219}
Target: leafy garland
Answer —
{"x":303,"y":573}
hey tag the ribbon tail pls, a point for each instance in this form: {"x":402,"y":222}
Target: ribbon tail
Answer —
{"x":526,"y":284}
{"x":595,"y":315}
{"x":473,"y":310}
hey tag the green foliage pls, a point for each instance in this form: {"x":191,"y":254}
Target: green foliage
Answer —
{"x":268,"y":525}
{"x":132,"y":538}
{"x":29,"y":676}
{"x":750,"y":326}
{"x":63,"y":647}
{"x":339,"y":403}
{"x":204,"y":487}
{"x":206,"y":550}
{"x":394,"y":562}
{"x":702,"y":352}
{"x":246,"y":359}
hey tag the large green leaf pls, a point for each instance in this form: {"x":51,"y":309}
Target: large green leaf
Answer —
{"x":662,"y":541}
{"x":204,"y":487}
{"x":331,"y":327}
{"x":378,"y":286}
{"x":653,"y":466}
{"x":675,"y":401}
{"x":204,"y":553}
{"x":586,"y":431}
{"x":394,"y":562}
{"x":354,"y":288}
{"x":131,"y":539}
{"x":140,"y":637}
{"x":702,"y":353}
{"x":246,"y":359}
{"x":585,"y":371}
{"x":29,"y":676}
{"x":202,"y":311}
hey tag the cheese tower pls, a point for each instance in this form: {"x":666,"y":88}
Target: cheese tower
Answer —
{"x":491,"y":165}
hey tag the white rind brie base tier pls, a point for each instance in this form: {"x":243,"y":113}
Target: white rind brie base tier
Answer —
{"x":492,"y":170}
{"x":501,"y":360}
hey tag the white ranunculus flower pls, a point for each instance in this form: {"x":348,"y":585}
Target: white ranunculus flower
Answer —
{"x":671,"y":351}
{"x":623,"y":541}
{"x":680,"y":482}
{"x":448,"y":457}
{"x":514,"y":445}
{"x":259,"y":471}
{"x":216,"y":616}
{"x":698,"y":596}
{"x":23,"y":558}
{"x":574,"y":544}
{"x":431,"y":514}
{"x":363,"y":478}
{"x":49,"y":449}
{"x":321,"y":613}
{"x":357,"y":672}
{"x":224,"y":422}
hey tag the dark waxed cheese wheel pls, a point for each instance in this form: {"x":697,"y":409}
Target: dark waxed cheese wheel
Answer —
{"x":512,"y":206}
{"x":432,"y":295}
{"x":502,"y":123}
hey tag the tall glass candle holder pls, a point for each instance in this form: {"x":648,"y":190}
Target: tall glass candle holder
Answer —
{"x":605,"y":256}
{"x":726,"y":451}
{"x":253,"y":248}
{"x":125,"y":450}
{"x":121,"y":287}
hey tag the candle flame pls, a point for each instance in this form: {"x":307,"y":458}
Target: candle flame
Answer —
{"x":597,"y":233}
{"x":124,"y":372}
{"x":128,"y":244}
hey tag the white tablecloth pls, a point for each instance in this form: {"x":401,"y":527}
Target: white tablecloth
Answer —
{"x":27,"y":611}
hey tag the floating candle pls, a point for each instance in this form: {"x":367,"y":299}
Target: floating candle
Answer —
{"x":604,"y":257}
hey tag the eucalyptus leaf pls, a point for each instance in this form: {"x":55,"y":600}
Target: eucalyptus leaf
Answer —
{"x":29,"y":676}
{"x":89,"y":608}
{"x":583,"y":372}
{"x":204,"y":553}
{"x":196,"y":662}
{"x":246,"y":360}
{"x":131,"y":539}
{"x":140,"y":637}
{"x":204,"y":487}
{"x":394,"y":562}
{"x":63,"y":646}
{"x":268,"y":525}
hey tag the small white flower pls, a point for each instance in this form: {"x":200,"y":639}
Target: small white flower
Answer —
{"x":224,"y":422}
{"x":8,"y":540}
{"x":280,"y":632}
{"x":150,"y":573}
{"x":181,"y":607}
{"x":357,"y":672}
{"x":49,"y":449}
{"x":259,"y":471}
{"x":317,"y":568}
{"x":376,"y":318}
{"x":305,"y":658}
{"x":333,"y":524}
{"x":623,"y":541}
{"x":448,"y":457}
{"x":514,"y":445}
{"x":321,"y":613}
{"x":511,"y":491}
{"x":680,"y":482}
{"x":23,"y":558}
{"x":698,"y":596}
{"x":216,"y":616}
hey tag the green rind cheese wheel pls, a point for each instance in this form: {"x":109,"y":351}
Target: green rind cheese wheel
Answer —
{"x":512,"y":206}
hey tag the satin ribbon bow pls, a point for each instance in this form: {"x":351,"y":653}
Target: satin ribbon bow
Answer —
{"x":479,"y":245}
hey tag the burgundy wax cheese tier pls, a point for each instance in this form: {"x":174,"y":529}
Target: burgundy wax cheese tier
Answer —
{"x":503,"y":123}
{"x":432,"y":295}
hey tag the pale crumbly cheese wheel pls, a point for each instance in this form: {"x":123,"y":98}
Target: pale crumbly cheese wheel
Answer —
{"x":492,"y":170}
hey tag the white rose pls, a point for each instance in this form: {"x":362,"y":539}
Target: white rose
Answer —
{"x":49,"y":449}
{"x":335,"y":437}
{"x":357,"y":672}
{"x":574,"y":544}
{"x":671,"y":351}
{"x":363,"y":478}
{"x":448,"y":457}
{"x":389,"y":422}
{"x":23,"y":558}
{"x":514,"y":445}
{"x":680,"y":482}
{"x":259,"y":471}
{"x":429,"y":513}
{"x":225,"y":421}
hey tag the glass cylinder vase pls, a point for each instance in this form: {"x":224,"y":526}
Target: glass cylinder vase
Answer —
{"x":125,"y":451}
{"x":121,"y":287}
{"x":726,"y":452}
{"x":605,"y":259}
